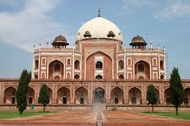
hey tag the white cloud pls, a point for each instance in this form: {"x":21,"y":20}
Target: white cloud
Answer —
{"x":128,"y":4}
{"x":30,"y":25}
{"x":160,"y":9}
{"x":140,"y":3}
{"x":173,"y":10}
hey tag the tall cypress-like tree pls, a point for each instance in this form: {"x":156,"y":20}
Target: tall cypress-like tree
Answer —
{"x":22,"y":88}
{"x":43,"y":96}
{"x":151,"y":96}
{"x":176,"y":89}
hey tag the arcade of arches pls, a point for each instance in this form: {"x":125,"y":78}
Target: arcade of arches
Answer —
{"x":92,"y":92}
{"x":101,"y":67}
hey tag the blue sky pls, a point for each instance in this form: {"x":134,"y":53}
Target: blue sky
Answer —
{"x":24,"y":23}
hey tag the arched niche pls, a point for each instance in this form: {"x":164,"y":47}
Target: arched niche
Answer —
{"x":63,"y":95}
{"x":56,"y":70}
{"x":142,"y":70}
{"x":10,"y":95}
{"x":167,"y":96}
{"x":30,"y":95}
{"x":117,"y":96}
{"x":81,"y":95}
{"x":187,"y":96}
{"x":135,"y":96}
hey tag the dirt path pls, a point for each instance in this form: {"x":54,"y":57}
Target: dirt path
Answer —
{"x":124,"y":118}
{"x":67,"y":118}
{"x":88,"y":118}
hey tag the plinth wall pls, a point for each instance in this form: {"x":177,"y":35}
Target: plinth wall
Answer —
{"x":134,"y":108}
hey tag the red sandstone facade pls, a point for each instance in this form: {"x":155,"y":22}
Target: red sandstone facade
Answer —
{"x":99,"y":69}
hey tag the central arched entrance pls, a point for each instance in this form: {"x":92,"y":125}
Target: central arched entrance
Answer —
{"x":99,"y":95}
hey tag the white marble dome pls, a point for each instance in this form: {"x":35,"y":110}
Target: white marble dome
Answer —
{"x":99,"y":28}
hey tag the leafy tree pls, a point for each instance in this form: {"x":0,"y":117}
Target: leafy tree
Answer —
{"x":176,"y":89}
{"x":151,"y":96}
{"x":43,"y":96}
{"x":22,"y":89}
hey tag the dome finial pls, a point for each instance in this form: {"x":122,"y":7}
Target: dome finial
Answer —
{"x":99,"y":12}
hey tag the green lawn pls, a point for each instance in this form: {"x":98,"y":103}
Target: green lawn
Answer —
{"x":182,"y":115}
{"x":16,"y":114}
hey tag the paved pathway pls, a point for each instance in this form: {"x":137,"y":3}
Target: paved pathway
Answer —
{"x":89,"y":118}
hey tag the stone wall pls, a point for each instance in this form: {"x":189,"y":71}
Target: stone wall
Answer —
{"x":148,"y":108}
{"x":134,"y":108}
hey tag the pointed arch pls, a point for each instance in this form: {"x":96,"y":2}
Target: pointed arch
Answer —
{"x":100,"y":63}
{"x":98,"y":52}
{"x":63,"y":95}
{"x":129,"y":62}
{"x":10,"y":95}
{"x":56,"y":69}
{"x":50,"y":95}
{"x":81,"y":95}
{"x":36,"y":64}
{"x":187,"y":96}
{"x":161,"y":65}
{"x":158,"y":95}
{"x":77,"y":64}
{"x":142,"y":70}
{"x":154,"y":62}
{"x":30,"y":95}
{"x":120,"y":64}
{"x":135,"y":96}
{"x":167,"y":96}
{"x":129,"y":76}
{"x":117,"y":95}
{"x":68,"y":61}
